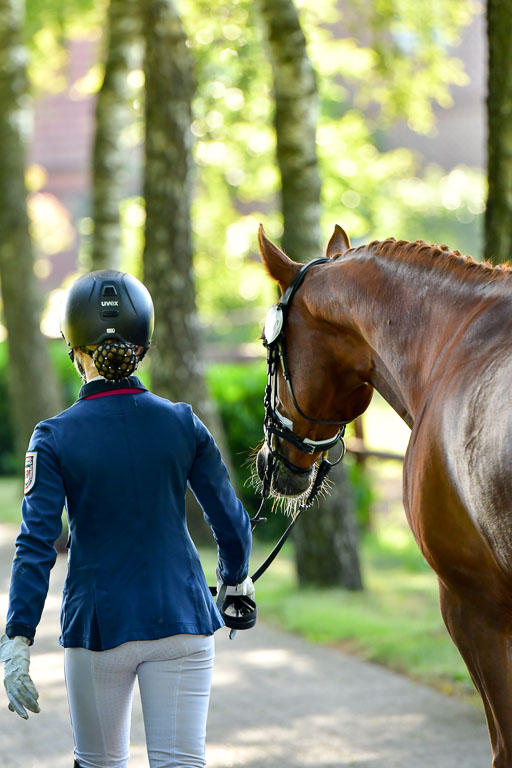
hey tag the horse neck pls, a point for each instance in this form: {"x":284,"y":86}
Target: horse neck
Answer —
{"x":407,"y":313}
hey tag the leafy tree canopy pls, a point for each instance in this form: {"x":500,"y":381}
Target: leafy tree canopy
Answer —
{"x":377,"y":61}
{"x":48,"y":25}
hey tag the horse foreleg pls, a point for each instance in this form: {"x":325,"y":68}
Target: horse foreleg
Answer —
{"x":487,"y":653}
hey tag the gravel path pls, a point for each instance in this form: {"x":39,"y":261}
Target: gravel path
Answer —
{"x":277,"y":702}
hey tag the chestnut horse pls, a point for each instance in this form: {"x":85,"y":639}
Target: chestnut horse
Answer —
{"x":431,"y":331}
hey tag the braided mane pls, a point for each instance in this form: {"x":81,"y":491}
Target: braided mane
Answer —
{"x":440,"y":256}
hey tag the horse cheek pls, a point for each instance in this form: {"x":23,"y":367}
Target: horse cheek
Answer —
{"x":359,"y":400}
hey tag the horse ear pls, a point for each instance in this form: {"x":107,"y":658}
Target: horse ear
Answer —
{"x":338,"y":244}
{"x":278,"y":265}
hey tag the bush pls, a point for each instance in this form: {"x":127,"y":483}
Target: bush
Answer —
{"x":238,"y":390}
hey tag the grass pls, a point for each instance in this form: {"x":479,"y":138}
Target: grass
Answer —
{"x":11,"y":493}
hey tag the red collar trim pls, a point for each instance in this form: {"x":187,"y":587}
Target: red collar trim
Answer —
{"x":115,"y":392}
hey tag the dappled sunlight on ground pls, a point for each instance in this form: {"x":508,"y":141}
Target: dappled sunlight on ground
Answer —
{"x":277,"y":658}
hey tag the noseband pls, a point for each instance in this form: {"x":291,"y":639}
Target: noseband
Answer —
{"x":276,"y":426}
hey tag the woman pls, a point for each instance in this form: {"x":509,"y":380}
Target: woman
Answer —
{"x":135,"y":602}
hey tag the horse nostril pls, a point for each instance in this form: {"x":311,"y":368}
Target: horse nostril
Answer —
{"x":287,"y":483}
{"x":262,"y":462}
{"x":284,"y":481}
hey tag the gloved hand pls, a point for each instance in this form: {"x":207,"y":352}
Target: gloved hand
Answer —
{"x":245,"y":588}
{"x":20,"y":689}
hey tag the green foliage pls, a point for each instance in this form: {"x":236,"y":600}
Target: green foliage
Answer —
{"x":11,"y":492}
{"x":48,"y":26}
{"x":375,"y":195}
{"x":406,"y":43}
{"x":364,"y":53}
{"x":238,"y":392}
{"x":234,"y":152}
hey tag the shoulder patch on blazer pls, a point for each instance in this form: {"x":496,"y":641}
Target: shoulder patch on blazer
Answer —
{"x":30,"y":470}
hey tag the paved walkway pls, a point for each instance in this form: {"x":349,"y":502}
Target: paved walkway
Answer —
{"x":277,"y":702}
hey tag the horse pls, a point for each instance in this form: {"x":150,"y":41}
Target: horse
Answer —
{"x":431,"y":331}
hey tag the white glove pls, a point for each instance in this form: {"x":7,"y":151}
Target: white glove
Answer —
{"x":245,"y":588}
{"x":20,"y":689}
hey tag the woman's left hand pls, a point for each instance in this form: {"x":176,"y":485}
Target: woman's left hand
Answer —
{"x":19,"y":687}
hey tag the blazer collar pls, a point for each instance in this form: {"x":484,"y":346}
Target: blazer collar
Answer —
{"x":102,"y":385}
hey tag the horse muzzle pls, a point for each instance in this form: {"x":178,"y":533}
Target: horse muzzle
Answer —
{"x":283,"y":480}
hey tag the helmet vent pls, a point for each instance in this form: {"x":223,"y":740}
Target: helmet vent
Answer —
{"x":109,"y":301}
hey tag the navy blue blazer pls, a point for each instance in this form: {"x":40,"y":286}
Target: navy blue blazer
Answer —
{"x":120,"y":459}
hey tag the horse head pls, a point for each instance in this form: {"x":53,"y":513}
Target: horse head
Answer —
{"x":321,"y":376}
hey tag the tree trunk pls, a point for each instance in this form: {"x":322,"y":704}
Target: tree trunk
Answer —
{"x":334,"y":522}
{"x":326,"y":538}
{"x":113,"y":114}
{"x":177,"y":368}
{"x":296,"y":113}
{"x":34,"y":390}
{"x":498,"y":217}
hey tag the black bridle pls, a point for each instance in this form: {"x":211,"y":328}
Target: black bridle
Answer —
{"x":275,"y":424}
{"x":277,"y":427}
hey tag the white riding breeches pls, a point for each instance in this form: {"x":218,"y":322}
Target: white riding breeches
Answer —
{"x":174,"y":676}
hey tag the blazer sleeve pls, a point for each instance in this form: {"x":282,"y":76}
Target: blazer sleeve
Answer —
{"x":41,"y":525}
{"x":223,"y":511}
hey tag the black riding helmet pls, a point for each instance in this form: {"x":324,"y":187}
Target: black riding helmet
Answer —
{"x":108,"y":315}
{"x":107,"y":304}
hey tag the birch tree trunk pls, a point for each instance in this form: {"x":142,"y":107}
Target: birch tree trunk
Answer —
{"x":176,"y":360}
{"x":498,"y":217}
{"x":296,"y":112}
{"x":113,"y":114}
{"x":33,"y":386}
{"x":326,"y":538}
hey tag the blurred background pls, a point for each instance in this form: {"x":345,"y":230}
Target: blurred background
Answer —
{"x":154,"y":138}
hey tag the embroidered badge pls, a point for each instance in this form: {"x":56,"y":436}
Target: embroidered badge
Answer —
{"x":30,"y":470}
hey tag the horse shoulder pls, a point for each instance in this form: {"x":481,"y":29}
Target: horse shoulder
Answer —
{"x":458,"y":486}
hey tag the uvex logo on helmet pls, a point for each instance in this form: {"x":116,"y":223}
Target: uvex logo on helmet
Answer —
{"x":109,"y":303}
